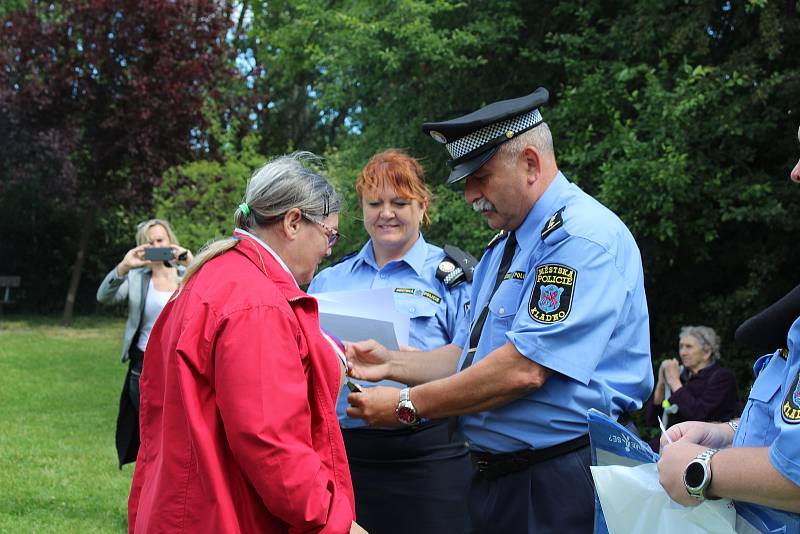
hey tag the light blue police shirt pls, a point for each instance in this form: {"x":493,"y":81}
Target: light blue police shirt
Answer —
{"x":573,"y":302}
{"x":771,"y":417}
{"x":435,"y":311}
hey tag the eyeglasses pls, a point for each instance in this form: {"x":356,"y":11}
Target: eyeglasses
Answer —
{"x":333,"y":234}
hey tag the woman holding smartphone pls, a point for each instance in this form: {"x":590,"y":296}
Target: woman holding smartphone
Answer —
{"x":147,"y":286}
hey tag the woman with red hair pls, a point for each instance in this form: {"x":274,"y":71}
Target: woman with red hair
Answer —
{"x":410,"y":478}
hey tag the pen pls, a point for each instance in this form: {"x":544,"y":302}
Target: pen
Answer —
{"x":664,"y":430}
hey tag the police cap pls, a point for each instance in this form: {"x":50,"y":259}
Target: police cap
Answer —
{"x":473,"y":139}
{"x":767,"y":330}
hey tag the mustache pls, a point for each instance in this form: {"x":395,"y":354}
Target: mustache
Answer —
{"x":482,"y":204}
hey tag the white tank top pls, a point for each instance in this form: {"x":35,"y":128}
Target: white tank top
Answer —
{"x":153,"y":304}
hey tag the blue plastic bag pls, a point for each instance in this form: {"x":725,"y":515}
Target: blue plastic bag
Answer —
{"x":613,"y":444}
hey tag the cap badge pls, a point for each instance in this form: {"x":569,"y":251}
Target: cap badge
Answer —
{"x":509,"y":134}
{"x":438,"y":136}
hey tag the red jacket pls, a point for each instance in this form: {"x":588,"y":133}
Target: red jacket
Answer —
{"x":238,"y":409}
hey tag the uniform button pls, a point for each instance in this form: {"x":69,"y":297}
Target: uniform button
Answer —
{"x":383,"y":275}
{"x":412,"y":309}
{"x":502,"y":310}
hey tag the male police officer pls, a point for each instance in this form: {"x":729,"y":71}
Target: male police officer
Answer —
{"x":558,"y":325}
{"x":760,"y":461}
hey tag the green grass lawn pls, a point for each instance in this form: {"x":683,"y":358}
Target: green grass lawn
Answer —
{"x":59,"y":392}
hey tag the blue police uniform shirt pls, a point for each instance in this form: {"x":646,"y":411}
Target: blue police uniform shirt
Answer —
{"x":771,"y":417}
{"x":573,"y":302}
{"x":435,"y":310}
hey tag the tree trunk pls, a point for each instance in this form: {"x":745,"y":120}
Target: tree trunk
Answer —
{"x":77,"y":268}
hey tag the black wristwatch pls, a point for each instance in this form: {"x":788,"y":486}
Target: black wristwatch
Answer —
{"x":406,"y":412}
{"x":697,"y":476}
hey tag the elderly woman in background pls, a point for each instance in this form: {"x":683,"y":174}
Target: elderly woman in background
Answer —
{"x":701,"y":389}
{"x":147,"y":286}
{"x":412,"y":478}
{"x":238,"y":406}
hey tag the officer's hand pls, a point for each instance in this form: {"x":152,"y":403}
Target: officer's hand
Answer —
{"x":674,"y":459}
{"x":368,"y":360}
{"x":376,"y":406}
{"x":716,"y":435}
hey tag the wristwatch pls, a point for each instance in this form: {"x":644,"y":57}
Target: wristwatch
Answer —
{"x":697,"y":476}
{"x":406,"y":412}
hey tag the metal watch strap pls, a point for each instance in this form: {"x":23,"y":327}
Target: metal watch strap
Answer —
{"x":704,"y":458}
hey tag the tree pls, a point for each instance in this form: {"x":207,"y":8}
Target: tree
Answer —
{"x":681,"y":117}
{"x":99,"y":97}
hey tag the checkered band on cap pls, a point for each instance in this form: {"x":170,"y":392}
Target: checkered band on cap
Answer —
{"x":478,"y":138}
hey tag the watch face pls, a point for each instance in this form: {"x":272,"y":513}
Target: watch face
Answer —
{"x":406,"y":415}
{"x":695,"y":474}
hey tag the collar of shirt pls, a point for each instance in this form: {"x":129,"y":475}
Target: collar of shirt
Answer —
{"x":529,"y":232}
{"x":415,"y":257}
{"x":239,"y":232}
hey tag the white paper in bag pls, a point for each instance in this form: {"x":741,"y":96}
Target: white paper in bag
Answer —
{"x":634,"y":501}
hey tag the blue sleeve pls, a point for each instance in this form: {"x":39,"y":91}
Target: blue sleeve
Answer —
{"x":784,"y":453}
{"x":571,"y":306}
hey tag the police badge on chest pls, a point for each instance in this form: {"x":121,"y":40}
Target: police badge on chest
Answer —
{"x":551,"y":297}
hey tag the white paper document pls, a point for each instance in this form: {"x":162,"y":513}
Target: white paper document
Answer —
{"x":364,"y":314}
{"x":634,"y":501}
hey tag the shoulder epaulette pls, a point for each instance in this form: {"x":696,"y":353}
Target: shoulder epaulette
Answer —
{"x":553,"y":223}
{"x":496,"y":239}
{"x":344,"y":258}
{"x":457,"y":266}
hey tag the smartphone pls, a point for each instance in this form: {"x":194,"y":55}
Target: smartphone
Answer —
{"x":159,"y":254}
{"x":355,"y":388}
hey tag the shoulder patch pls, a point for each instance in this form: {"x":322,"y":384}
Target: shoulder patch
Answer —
{"x":457,"y":266}
{"x":551,"y":296}
{"x":500,"y":235}
{"x":790,"y":407}
{"x":553,"y":223}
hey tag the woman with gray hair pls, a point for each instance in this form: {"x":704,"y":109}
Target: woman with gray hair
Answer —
{"x":701,"y":389}
{"x":238,"y":393}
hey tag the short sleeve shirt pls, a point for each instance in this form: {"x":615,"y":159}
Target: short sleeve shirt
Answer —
{"x":573,"y":301}
{"x":771,"y":417}
{"x":434,"y":309}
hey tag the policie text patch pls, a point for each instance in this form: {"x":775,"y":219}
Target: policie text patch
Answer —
{"x":551,"y":296}
{"x":790,"y":408}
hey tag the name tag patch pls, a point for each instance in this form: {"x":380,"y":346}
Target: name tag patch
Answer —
{"x":551,"y":296}
{"x":790,"y":408}
{"x":420,"y":293}
{"x":516,"y":275}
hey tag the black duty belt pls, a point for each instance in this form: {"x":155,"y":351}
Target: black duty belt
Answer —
{"x":496,"y":465}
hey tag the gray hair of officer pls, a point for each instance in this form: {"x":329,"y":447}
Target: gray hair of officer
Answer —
{"x":539,"y":137}
{"x":285,"y":182}
{"x":706,"y":336}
